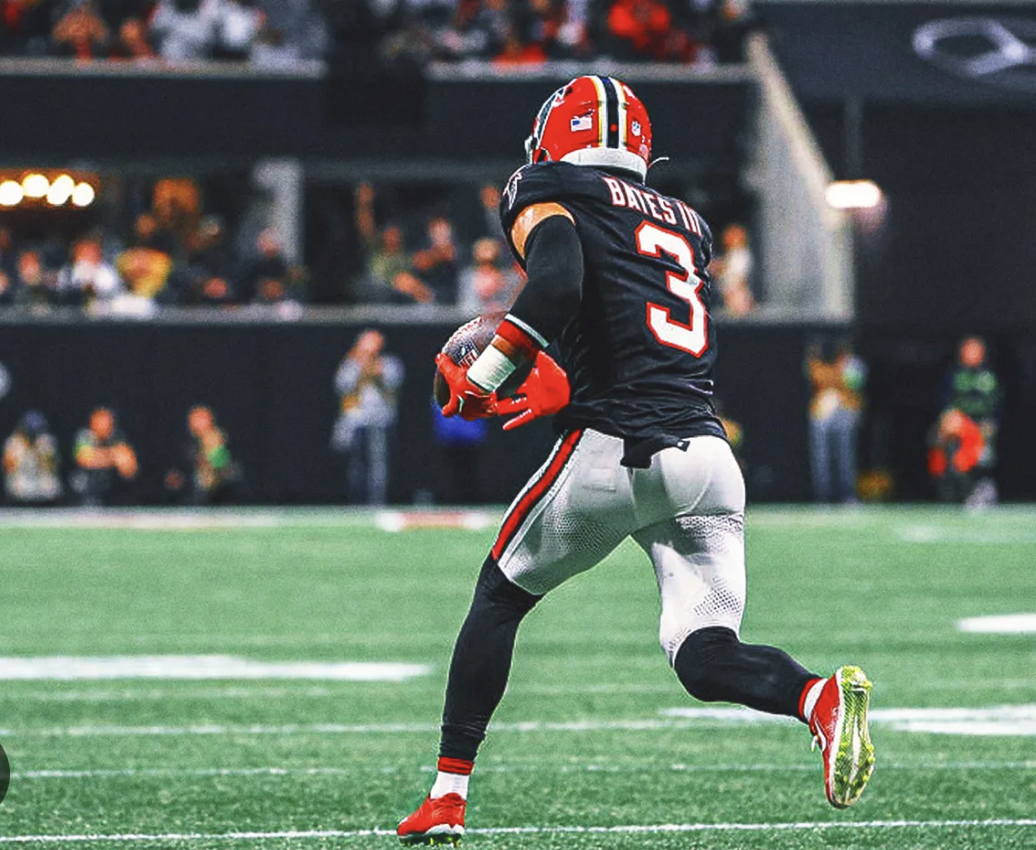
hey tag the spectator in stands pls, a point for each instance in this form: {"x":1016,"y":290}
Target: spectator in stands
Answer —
{"x":187,"y":30}
{"x":176,"y":207}
{"x":107,"y":464}
{"x":25,"y":27}
{"x":837,"y":379}
{"x":6,"y":289}
{"x":134,"y":43}
{"x":31,"y":461}
{"x":437,"y":264}
{"x":265,"y":271}
{"x":145,"y":268}
{"x":640,"y":29}
{"x":974,"y":390}
{"x":88,"y":278}
{"x":34,"y":286}
{"x":389,"y":278}
{"x":81,"y":32}
{"x":732,"y":269}
{"x":213,"y":476}
{"x":484,"y":286}
{"x":292,"y":30}
{"x":239,"y":25}
{"x":956,"y":447}
{"x":8,"y":254}
{"x":367,"y":383}
{"x":489,"y":197}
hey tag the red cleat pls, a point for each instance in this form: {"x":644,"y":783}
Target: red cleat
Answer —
{"x":839,"y":727}
{"x":438,"y":821}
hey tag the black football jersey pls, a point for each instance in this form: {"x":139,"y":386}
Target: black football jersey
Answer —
{"x":640,"y":349}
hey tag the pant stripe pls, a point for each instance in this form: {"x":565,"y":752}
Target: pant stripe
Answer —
{"x":513,"y":521}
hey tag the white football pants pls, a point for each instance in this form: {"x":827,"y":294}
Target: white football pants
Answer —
{"x":686,"y":512}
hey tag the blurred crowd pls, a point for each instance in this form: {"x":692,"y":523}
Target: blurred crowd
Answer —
{"x":274,"y":33}
{"x":104,"y":469}
{"x":265,"y":32}
{"x":398,"y":244}
{"x":170,"y":252}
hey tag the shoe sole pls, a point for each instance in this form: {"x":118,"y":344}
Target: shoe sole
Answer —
{"x":439,"y":836}
{"x":854,"y":756}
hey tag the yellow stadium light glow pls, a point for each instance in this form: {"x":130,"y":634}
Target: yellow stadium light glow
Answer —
{"x":853,"y":194}
{"x":64,"y":183}
{"x":83,"y":195}
{"x":35,"y":185}
{"x":57,"y":195}
{"x":11,"y":193}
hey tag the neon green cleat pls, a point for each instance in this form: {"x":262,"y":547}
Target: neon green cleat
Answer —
{"x":839,"y":726}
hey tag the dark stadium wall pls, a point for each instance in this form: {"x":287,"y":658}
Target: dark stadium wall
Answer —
{"x":271,"y":386}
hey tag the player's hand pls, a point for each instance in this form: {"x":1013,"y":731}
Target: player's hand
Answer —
{"x":543,"y":393}
{"x":466,"y":400}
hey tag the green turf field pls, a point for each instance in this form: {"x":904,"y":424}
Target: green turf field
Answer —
{"x":587,"y":752}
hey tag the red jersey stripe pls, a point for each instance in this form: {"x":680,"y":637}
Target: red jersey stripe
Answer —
{"x":514,"y":520}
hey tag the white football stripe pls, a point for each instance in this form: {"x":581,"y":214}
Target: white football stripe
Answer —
{"x":195,"y":667}
{"x":1002,"y":624}
{"x":990,"y":823}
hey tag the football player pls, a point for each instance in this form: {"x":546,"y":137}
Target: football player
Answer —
{"x":616,"y":276}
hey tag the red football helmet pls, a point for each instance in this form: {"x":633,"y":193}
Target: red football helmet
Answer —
{"x":593,"y":121}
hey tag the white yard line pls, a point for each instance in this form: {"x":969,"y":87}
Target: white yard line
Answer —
{"x":622,"y":767}
{"x":531,"y":830}
{"x":1014,"y":720}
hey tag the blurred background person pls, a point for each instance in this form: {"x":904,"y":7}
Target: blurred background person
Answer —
{"x":956,"y":446}
{"x":732,"y":271}
{"x":31,"y":463}
{"x":88,"y":278}
{"x":437,"y":264}
{"x":974,"y":389}
{"x":106,"y":463}
{"x":837,"y":377}
{"x":213,"y":477}
{"x":460,"y":444}
{"x":367,"y":383}
{"x":484,"y":286}
{"x":34,"y":286}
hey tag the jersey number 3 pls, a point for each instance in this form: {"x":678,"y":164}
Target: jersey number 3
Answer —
{"x":693,"y":338}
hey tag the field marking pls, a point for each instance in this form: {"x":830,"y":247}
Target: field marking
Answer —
{"x":934,"y":534}
{"x":1006,"y":720}
{"x":530,"y":830}
{"x":196,"y":667}
{"x":622,"y":767}
{"x":1009,"y":720}
{"x":1000,"y":624}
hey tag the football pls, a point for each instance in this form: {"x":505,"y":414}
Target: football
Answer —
{"x":463,"y":348}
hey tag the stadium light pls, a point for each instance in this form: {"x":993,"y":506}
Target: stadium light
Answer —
{"x":83,"y":195}
{"x":854,"y":194}
{"x":60,"y":191}
{"x":11,"y":193}
{"x":35,"y":185}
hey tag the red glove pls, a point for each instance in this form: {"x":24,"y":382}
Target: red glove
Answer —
{"x":466,"y":399}
{"x":543,"y":393}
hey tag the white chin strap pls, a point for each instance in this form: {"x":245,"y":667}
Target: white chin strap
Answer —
{"x":608,"y":158}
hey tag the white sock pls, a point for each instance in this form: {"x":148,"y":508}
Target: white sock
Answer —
{"x":810,"y":702}
{"x":450,"y":783}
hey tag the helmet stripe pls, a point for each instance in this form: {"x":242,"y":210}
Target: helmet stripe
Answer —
{"x":612,"y":110}
{"x":602,"y":109}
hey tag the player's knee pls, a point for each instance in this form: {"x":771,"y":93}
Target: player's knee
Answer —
{"x":496,"y":590}
{"x":699,"y":661}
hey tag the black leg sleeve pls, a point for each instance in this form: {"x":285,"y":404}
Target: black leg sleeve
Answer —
{"x":482,"y":661}
{"x":713,"y":665}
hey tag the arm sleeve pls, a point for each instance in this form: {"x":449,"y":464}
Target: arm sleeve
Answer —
{"x":554,"y":263}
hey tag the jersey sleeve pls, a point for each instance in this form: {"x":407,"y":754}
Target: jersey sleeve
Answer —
{"x":547,"y":182}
